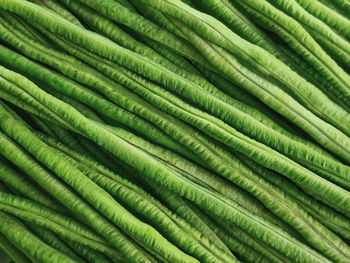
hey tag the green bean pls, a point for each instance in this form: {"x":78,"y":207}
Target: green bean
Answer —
{"x":304,"y":66}
{"x":248,"y":247}
{"x":64,"y":194}
{"x":21,"y":184}
{"x":334,"y":5}
{"x":57,"y":8}
{"x":114,"y":32}
{"x":111,"y":110}
{"x":91,"y":255}
{"x":101,"y":105}
{"x":104,"y":138}
{"x":245,"y":238}
{"x":174,"y":181}
{"x":158,"y":102}
{"x":53,"y":241}
{"x":246,"y":98}
{"x":101,"y":200}
{"x":144,"y":147}
{"x":302,"y":43}
{"x":9,"y":88}
{"x":325,"y":36}
{"x":325,"y":110}
{"x":42,"y":125}
{"x":64,"y":226}
{"x":12,"y":252}
{"x":279,"y":71}
{"x":328,"y":16}
{"x":286,"y":218}
{"x":156,"y":17}
{"x":201,"y":177}
{"x":239,"y":23}
{"x":83,"y":108}
{"x":235,"y":242}
{"x":25,"y":28}
{"x":28,"y":243}
{"x":343,"y":4}
{"x":14,"y":114}
{"x":121,"y":14}
{"x":191,"y":215}
{"x":196,"y":174}
{"x":129,"y":194}
{"x":108,"y":69}
{"x":16,"y":101}
{"x":330,"y":218}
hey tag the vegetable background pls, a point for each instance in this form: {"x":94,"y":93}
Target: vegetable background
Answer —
{"x":175,"y":131}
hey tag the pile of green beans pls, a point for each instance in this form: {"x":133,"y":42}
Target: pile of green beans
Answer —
{"x":175,"y":131}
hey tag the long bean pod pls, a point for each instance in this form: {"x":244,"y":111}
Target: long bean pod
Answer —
{"x":142,"y":161}
{"x":288,"y":218}
{"x":27,"y":242}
